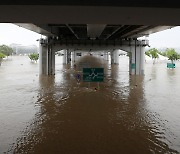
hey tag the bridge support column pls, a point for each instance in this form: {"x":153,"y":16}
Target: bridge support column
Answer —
{"x":46,"y":59}
{"x":115,"y":57}
{"x":136,"y":60}
{"x":112,"y":57}
{"x":43,"y":62}
{"x":67,"y":57}
{"x":51,"y":61}
{"x":73,"y":58}
{"x":106,"y":56}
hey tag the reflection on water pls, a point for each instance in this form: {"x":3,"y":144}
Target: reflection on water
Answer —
{"x":56,"y":114}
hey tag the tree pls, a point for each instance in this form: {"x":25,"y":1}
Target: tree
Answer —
{"x":154,"y":53}
{"x":172,"y":54}
{"x":148,"y":53}
{"x":162,"y":53}
{"x":6,"y":50}
{"x":34,"y":57}
{"x":128,"y":54}
{"x":1,"y":57}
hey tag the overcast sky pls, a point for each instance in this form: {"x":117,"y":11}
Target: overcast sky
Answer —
{"x":168,"y":38}
{"x":10,"y":33}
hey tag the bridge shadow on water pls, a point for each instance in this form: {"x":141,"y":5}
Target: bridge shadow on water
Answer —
{"x":77,"y":117}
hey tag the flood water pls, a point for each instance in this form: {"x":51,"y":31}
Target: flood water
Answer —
{"x":58,"y":114}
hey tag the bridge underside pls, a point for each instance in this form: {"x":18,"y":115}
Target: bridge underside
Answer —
{"x":83,"y":32}
{"x":110,"y":20}
{"x":127,"y":3}
{"x":107,"y":25}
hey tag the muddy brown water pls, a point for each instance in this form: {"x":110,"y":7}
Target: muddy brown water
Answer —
{"x":58,"y":114}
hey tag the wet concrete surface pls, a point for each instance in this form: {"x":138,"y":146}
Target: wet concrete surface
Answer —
{"x":58,"y":114}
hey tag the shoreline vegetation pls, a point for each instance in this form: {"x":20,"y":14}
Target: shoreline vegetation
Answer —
{"x":1,"y":57}
{"x":33,"y":57}
{"x":168,"y":54}
{"x":151,"y":55}
{"x":5,"y":51}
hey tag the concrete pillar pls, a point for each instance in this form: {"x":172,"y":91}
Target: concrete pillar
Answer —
{"x":116,"y":57}
{"x":132,"y":61}
{"x":65,"y":57}
{"x":75,"y":57}
{"x":142,"y":60}
{"x":72,"y":57}
{"x":51,"y":61}
{"x":112,"y":57}
{"x":68,"y":56}
{"x":46,"y":59}
{"x":137,"y":60}
{"x":106,"y":56}
{"x":43,"y":56}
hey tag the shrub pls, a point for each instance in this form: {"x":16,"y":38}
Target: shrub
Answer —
{"x":34,"y":57}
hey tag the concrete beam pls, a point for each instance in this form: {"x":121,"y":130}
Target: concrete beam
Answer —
{"x":41,"y":29}
{"x":94,"y":30}
{"x":63,"y":14}
{"x":128,"y":3}
{"x":96,"y":44}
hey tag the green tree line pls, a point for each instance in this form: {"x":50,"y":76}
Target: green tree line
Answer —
{"x":5,"y":51}
{"x":169,"y":52}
